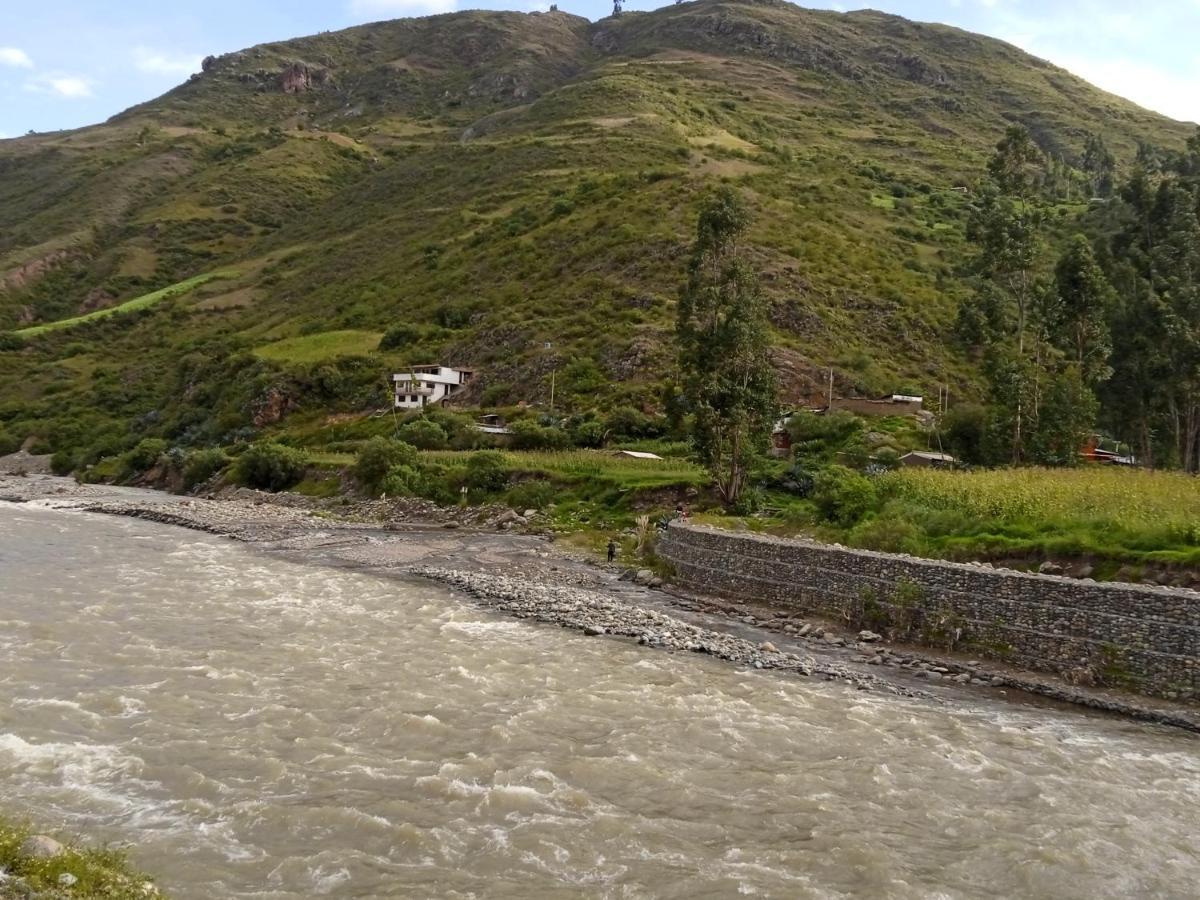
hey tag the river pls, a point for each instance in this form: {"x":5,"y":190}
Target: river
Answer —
{"x":256,"y":727}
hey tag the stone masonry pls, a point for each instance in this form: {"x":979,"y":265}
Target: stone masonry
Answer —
{"x":1147,"y":638}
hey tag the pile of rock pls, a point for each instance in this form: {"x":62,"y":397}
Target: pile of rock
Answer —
{"x":595,"y":613}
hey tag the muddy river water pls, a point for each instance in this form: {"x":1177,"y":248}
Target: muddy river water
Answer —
{"x":255,"y":727}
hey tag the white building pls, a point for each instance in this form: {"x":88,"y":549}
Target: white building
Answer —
{"x":424,"y":386}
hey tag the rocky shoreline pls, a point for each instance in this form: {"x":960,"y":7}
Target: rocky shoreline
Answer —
{"x":483,"y":554}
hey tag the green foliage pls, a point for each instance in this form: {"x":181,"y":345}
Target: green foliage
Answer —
{"x":529,"y":435}
{"x":378,"y":457}
{"x":9,"y":442}
{"x":270,"y":467}
{"x":531,"y":495}
{"x":63,"y":462}
{"x":843,"y":496}
{"x":722,"y":334}
{"x":400,"y":336}
{"x":201,"y":465}
{"x":824,"y":436}
{"x":10,"y":342}
{"x":424,"y":434}
{"x":142,"y":457}
{"x":486,"y":472}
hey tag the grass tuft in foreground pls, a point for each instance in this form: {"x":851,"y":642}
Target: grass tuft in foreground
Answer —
{"x":76,"y":872}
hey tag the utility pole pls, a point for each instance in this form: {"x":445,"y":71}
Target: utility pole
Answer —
{"x":829,"y":404}
{"x":553,"y":373}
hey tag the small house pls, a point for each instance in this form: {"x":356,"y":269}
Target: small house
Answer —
{"x":781,"y":438}
{"x":927,"y":459}
{"x":493,"y":425}
{"x":423,"y":386}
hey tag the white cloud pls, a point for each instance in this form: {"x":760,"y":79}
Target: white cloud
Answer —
{"x":153,"y":63}
{"x":1177,"y":96}
{"x":71,"y":86}
{"x":401,"y":7}
{"x":15,"y":56}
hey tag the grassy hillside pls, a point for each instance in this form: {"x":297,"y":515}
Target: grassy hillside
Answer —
{"x":497,"y":181}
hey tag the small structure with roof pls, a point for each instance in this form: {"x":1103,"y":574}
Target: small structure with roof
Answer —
{"x":928,"y":459}
{"x":636,"y":454}
{"x":423,"y":386}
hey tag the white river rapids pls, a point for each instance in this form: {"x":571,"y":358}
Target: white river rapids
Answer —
{"x":254,"y":727}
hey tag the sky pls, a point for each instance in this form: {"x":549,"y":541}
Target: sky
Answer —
{"x":68,"y":63}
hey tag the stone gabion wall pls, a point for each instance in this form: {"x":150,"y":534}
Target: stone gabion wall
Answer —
{"x":1146,"y":636}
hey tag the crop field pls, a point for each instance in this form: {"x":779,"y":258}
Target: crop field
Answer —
{"x":142,"y":302}
{"x":319,"y":347}
{"x":1109,"y":497}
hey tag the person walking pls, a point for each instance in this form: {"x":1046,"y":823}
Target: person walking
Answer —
{"x":612,"y":549}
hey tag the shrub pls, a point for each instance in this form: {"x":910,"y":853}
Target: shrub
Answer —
{"x":627,"y":422}
{"x":485,"y":472}
{"x":529,"y":435}
{"x":424,"y":434}
{"x":894,"y":535}
{"x":399,"y":336}
{"x":843,"y":496}
{"x":824,"y":435}
{"x":378,"y":456}
{"x":10,"y":341}
{"x":531,"y":495}
{"x":270,"y":467}
{"x":143,"y":457}
{"x":201,"y":465}
{"x":588,"y":434}
{"x":9,"y":442}
{"x":63,"y":462}
{"x":402,"y":481}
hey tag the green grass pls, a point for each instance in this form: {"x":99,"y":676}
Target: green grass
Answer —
{"x":320,"y":347}
{"x":142,"y":302}
{"x":98,"y":873}
{"x":595,"y":466}
{"x":1113,"y":518}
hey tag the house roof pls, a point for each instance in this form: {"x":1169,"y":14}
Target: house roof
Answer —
{"x":637,"y":454}
{"x":930,"y":455}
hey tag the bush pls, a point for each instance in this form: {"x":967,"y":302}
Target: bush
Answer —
{"x":817,"y":435}
{"x":402,"y":481}
{"x":627,"y":422}
{"x":270,"y":467}
{"x":529,"y":435}
{"x":888,"y":533}
{"x":379,"y":456}
{"x":424,"y":434}
{"x":531,"y":495}
{"x":10,"y":341}
{"x":485,"y":472}
{"x":63,"y":462}
{"x":201,"y":465}
{"x":843,"y":496}
{"x":588,"y":434}
{"x":9,"y":442}
{"x":143,"y":457}
{"x":399,"y":336}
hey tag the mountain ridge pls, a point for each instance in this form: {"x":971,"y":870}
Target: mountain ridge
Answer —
{"x":497,"y":181}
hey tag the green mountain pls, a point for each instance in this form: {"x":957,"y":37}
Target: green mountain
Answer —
{"x":480,"y":184}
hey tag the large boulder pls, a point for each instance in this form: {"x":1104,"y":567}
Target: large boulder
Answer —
{"x":40,"y":846}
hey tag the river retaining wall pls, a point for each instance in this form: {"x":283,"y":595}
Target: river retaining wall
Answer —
{"x":1146,"y":638}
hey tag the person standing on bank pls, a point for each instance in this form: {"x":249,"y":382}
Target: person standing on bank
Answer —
{"x":612,"y":549}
